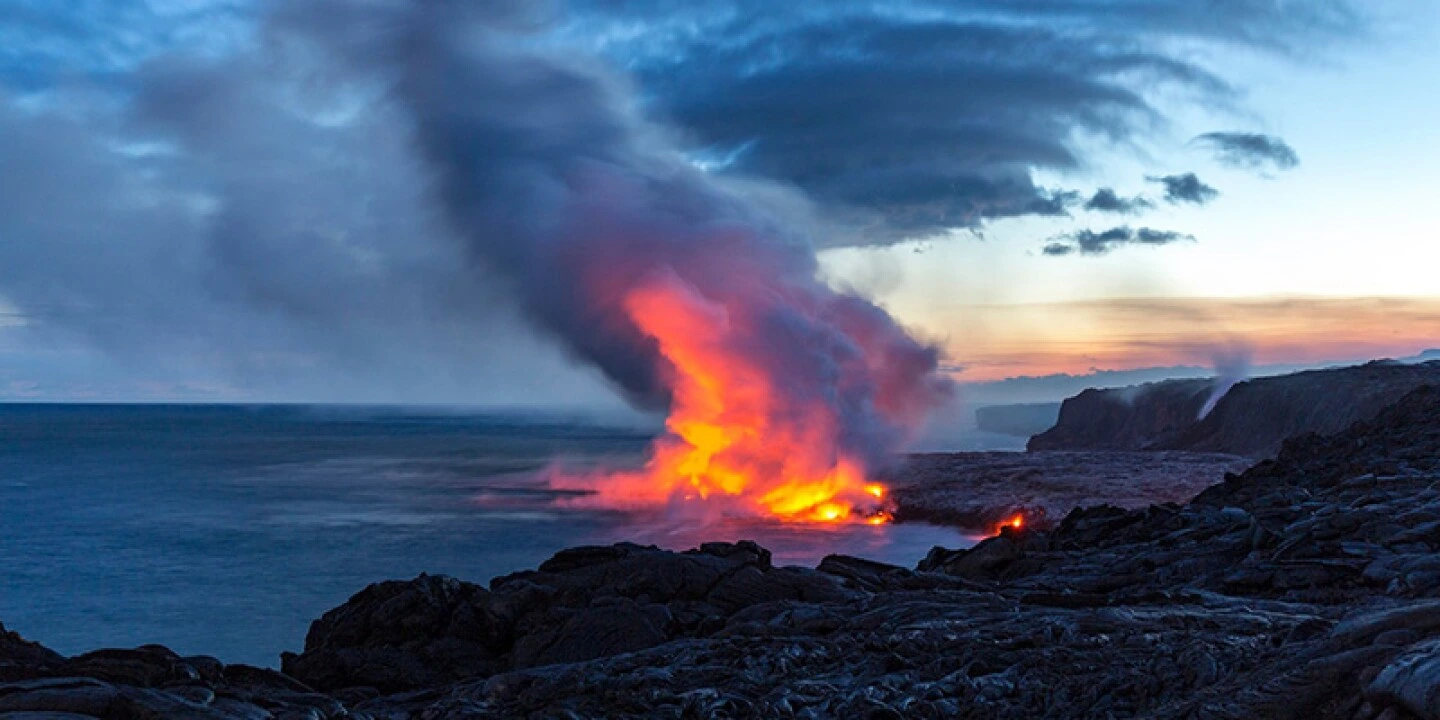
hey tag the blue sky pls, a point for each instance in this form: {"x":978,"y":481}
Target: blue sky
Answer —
{"x":219,"y":200}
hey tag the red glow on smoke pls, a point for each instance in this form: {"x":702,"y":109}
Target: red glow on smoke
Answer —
{"x":736,"y":437}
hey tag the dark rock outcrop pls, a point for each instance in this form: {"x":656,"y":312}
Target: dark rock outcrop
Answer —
{"x":1135,"y":418}
{"x":581,"y":604}
{"x":403,"y":635}
{"x":148,"y":683}
{"x":21,"y":659}
{"x":1252,"y":418}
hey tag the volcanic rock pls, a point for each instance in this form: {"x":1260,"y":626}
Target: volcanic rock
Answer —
{"x":150,"y":683}
{"x":978,"y":491}
{"x":402,"y":635}
{"x":1303,"y":587}
{"x":1412,"y":680}
{"x":1252,"y":419}
{"x":1132,"y":418}
{"x":581,"y":604}
{"x":985,"y":561}
{"x":21,"y":659}
{"x":1251,"y":601}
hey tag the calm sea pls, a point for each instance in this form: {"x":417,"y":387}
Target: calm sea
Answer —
{"x":224,"y":530}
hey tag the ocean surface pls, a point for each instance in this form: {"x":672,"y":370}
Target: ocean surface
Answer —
{"x":224,"y":530}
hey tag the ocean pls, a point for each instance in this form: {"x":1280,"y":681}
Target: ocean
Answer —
{"x":224,"y":529}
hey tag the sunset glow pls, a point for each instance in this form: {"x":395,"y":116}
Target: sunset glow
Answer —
{"x":1036,"y":339}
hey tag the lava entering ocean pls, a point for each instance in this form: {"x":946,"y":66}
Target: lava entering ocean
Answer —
{"x":738,"y":440}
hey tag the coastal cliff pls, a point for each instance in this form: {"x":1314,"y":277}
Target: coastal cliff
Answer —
{"x":1252,"y":419}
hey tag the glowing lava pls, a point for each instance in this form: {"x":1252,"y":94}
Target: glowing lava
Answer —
{"x":737,"y":440}
{"x":1016,"y":522}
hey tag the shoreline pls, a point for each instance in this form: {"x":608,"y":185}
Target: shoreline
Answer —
{"x":1306,"y":587}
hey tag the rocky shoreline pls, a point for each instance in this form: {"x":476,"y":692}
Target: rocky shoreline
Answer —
{"x":979,"y":490}
{"x":1307,"y":586}
{"x":1252,"y":418}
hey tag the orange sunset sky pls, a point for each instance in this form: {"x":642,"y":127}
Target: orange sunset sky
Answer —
{"x":992,"y":342}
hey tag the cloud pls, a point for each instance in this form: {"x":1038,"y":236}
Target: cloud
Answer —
{"x":249,"y":192}
{"x":914,"y":118}
{"x":1251,"y":151}
{"x":1105,"y":200}
{"x":242,"y":221}
{"x":1089,"y":242}
{"x":47,"y":42}
{"x":1185,"y":188}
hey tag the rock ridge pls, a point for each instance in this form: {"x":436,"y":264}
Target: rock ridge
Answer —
{"x":1252,"y":419}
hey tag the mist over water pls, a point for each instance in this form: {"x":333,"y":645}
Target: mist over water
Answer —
{"x":225,"y":530}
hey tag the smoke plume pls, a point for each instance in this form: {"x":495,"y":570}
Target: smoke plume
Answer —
{"x":688,"y":292}
{"x":1232,"y":366}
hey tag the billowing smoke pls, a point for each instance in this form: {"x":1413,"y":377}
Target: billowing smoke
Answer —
{"x":1232,"y":366}
{"x":688,"y":292}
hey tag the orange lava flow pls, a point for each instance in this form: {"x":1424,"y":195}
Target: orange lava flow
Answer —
{"x":735,"y":439}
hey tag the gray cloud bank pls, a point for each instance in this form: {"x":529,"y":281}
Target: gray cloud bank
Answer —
{"x":919,"y":117}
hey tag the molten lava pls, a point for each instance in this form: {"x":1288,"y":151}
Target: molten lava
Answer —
{"x":737,"y":440}
{"x":1016,"y":522}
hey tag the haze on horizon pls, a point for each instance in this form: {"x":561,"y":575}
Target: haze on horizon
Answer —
{"x":197,"y":205}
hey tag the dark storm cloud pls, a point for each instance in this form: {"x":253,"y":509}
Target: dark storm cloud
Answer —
{"x":1105,"y":200}
{"x":1251,"y":151}
{"x":918,"y":117}
{"x":1089,"y":242}
{"x":1185,"y":188}
{"x":910,"y":129}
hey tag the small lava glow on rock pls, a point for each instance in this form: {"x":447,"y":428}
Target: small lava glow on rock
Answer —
{"x":1015,"y":522}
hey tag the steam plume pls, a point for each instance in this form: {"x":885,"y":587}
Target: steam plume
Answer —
{"x":1232,"y":366}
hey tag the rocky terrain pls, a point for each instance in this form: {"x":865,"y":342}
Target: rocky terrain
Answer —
{"x":1251,"y":419}
{"x":1307,"y":586}
{"x":976,"y":491}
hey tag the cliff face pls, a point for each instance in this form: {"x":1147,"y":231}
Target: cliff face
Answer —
{"x":1252,"y":419}
{"x":1133,"y":418}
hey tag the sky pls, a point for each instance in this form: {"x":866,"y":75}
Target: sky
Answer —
{"x":237,"y":200}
